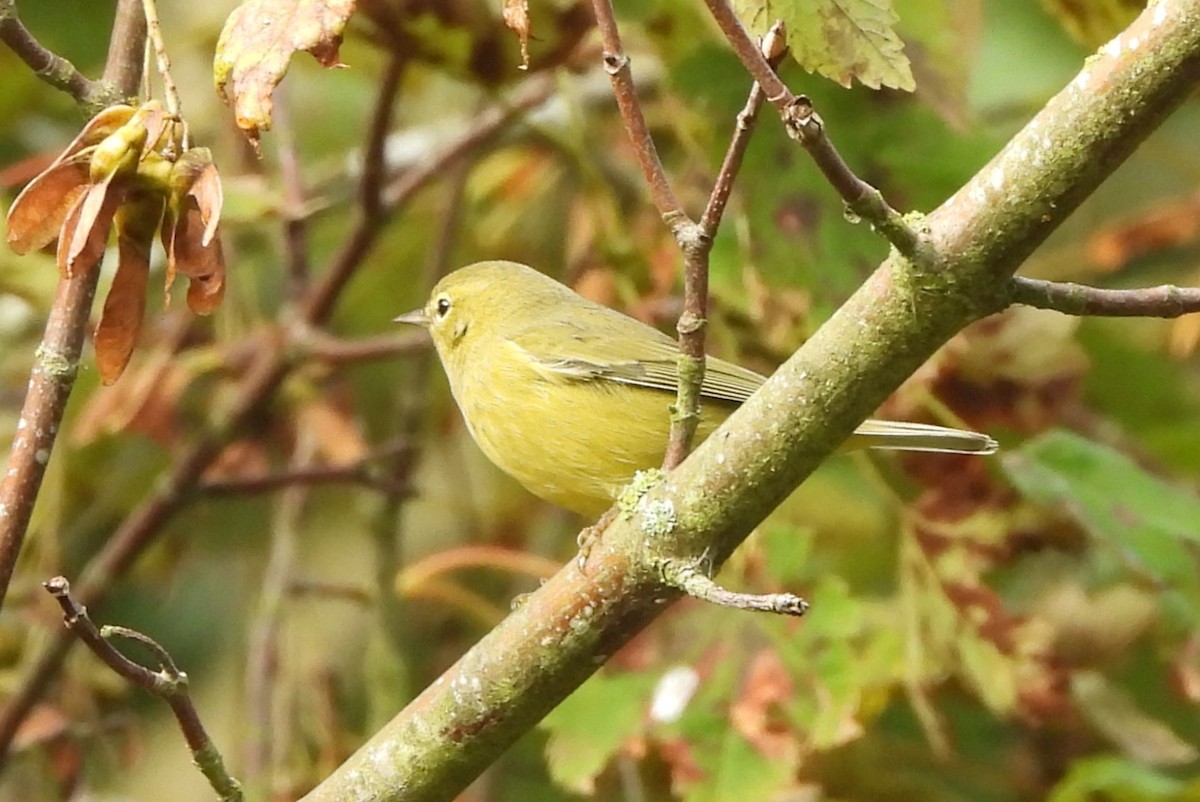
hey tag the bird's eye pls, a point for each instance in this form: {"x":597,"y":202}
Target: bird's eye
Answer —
{"x":443,"y":306}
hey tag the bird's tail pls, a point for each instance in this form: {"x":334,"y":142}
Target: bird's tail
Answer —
{"x":902,"y":436}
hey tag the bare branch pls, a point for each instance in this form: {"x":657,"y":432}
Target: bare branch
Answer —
{"x":1078,"y":299}
{"x":51,"y":68}
{"x":54,"y":367}
{"x":262,"y":651}
{"x":295,"y":224}
{"x":751,"y":55}
{"x":317,"y":344}
{"x":686,"y":413}
{"x":126,"y":47}
{"x":364,"y":472}
{"x":700,"y":585}
{"x":168,"y":683}
{"x":616,"y":64}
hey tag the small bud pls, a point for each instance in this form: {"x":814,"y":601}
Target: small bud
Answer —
{"x":774,"y":43}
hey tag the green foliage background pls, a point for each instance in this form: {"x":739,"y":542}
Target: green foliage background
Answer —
{"x":1025,"y":627}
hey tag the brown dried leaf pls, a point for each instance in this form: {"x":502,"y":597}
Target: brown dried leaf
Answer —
{"x":196,"y":174}
{"x":257,"y":44}
{"x":767,"y":685}
{"x":1169,"y":225}
{"x":85,"y":231}
{"x":1184,"y":337}
{"x":37,"y":215}
{"x":338,"y":439}
{"x":125,"y":306}
{"x":516,"y":17}
{"x":188,"y":254}
{"x":146,"y":402}
{"x":121,"y":320}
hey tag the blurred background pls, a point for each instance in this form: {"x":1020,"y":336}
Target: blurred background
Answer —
{"x":1020,"y":627}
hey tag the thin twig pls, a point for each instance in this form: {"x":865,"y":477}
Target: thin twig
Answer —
{"x":1078,"y":299}
{"x":696,"y":252}
{"x":316,"y":344}
{"x":168,"y":683}
{"x":751,"y":55}
{"x":616,"y":64}
{"x":266,"y":705}
{"x":774,"y":47}
{"x":700,"y":585}
{"x":363,"y":472}
{"x":92,"y":96}
{"x":154,"y":32}
{"x":301,"y":587}
{"x":692,"y":241}
{"x":295,"y":222}
{"x":55,"y":364}
{"x":804,"y":125}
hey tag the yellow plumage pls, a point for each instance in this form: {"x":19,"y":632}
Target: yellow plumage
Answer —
{"x":570,"y":397}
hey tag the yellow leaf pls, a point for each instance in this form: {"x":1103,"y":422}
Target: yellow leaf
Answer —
{"x":257,"y":44}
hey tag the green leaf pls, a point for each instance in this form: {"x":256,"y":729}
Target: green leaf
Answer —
{"x":941,"y":36}
{"x":1117,"y":779}
{"x":1152,"y":524}
{"x":840,"y":39}
{"x":588,"y":728}
{"x":740,"y":772}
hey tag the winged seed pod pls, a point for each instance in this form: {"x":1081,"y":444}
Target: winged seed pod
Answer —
{"x":126,"y":167}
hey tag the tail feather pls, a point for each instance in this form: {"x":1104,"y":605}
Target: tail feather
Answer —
{"x":902,"y":436}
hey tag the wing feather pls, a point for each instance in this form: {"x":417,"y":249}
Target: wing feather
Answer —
{"x":633,"y":353}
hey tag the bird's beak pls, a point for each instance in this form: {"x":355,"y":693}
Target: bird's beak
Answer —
{"x":417,"y":317}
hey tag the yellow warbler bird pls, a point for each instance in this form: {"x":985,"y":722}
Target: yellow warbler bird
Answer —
{"x":570,"y":397}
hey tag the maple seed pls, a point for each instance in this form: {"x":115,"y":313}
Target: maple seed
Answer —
{"x":125,"y":168}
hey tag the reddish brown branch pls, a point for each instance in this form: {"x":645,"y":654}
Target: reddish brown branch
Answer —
{"x":363,"y":472}
{"x":331,"y":350}
{"x":168,"y":683}
{"x":616,"y":64}
{"x":55,"y":364}
{"x":1077,"y":299}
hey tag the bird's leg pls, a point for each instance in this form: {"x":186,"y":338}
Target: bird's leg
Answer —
{"x":590,"y":535}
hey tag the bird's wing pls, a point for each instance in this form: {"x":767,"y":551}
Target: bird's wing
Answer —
{"x":630,"y":354}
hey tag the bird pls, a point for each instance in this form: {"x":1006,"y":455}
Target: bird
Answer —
{"x":571,"y":398}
